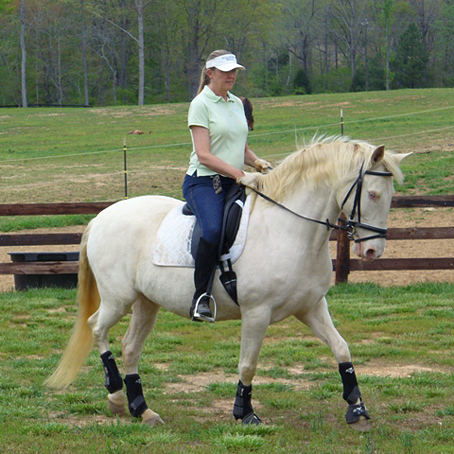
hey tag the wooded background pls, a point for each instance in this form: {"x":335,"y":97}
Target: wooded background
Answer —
{"x":104,"y":52}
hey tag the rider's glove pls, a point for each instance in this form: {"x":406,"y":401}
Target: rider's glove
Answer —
{"x":262,"y":166}
{"x":251,"y":180}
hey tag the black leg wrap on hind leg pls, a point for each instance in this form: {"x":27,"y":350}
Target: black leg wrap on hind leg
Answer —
{"x":355,"y":411}
{"x":351,"y":390}
{"x":242,"y":409}
{"x":113,"y":378}
{"x":351,"y":394}
{"x":134,"y":392}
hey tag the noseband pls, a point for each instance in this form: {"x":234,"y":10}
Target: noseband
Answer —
{"x":350,"y":225}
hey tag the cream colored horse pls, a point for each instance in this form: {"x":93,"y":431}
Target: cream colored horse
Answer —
{"x":285,"y":269}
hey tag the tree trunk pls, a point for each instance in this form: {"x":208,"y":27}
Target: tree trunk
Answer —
{"x":388,"y":57}
{"x":84,"y":55}
{"x":139,"y":6}
{"x":59,"y":86}
{"x":24,"y":54}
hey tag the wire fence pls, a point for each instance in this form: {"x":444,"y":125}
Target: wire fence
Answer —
{"x":342,"y":125}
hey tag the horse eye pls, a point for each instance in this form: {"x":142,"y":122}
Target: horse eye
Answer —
{"x":373,"y":195}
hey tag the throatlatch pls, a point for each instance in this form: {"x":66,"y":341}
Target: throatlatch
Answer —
{"x":351,"y":393}
{"x":136,"y":401}
{"x":113,"y":378}
{"x":242,"y":409}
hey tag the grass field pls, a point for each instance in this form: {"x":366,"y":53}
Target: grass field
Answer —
{"x":77,"y":154}
{"x":401,"y":339}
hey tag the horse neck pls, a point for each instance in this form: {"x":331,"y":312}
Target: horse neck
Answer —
{"x":317,"y":203}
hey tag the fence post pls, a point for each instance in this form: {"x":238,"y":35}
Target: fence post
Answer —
{"x":125,"y":166}
{"x":342,"y":122}
{"x":343,"y":254}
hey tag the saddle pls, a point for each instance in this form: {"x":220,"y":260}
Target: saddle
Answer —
{"x":233,"y":209}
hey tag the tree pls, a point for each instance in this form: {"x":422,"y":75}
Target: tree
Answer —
{"x":24,"y":54}
{"x":443,"y":53}
{"x":411,"y":59}
{"x":84,"y":53}
{"x":201,"y":19}
{"x":428,"y":12}
{"x":385,"y":17}
{"x":105,"y":12}
{"x":347,"y":16}
{"x":301,"y":83}
{"x":299,"y":29}
{"x":141,"y":43}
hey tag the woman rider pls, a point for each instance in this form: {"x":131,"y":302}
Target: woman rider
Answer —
{"x":219,"y":133}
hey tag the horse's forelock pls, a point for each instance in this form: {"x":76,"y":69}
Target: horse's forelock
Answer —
{"x":392,"y":165}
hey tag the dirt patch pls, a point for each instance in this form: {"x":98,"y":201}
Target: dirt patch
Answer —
{"x":196,"y":383}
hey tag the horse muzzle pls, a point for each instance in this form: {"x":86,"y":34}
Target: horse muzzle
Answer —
{"x":369,"y":250}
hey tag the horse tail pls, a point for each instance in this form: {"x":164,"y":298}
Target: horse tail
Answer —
{"x":81,"y":341}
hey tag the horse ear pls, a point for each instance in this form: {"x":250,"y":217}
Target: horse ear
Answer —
{"x":399,"y":157}
{"x":377,"y":155}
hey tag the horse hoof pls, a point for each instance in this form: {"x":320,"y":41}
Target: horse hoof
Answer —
{"x":151,"y":418}
{"x":252,"y":420}
{"x":362,"y":425}
{"x":117,"y":403}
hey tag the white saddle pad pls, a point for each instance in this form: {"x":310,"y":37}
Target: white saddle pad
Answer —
{"x":173,"y":241}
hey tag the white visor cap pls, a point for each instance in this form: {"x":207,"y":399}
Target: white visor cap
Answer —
{"x":224,"y":63}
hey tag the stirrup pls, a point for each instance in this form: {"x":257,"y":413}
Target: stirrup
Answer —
{"x":200,"y":317}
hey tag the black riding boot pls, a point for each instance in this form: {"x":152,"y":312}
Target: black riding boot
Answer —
{"x":205,"y":262}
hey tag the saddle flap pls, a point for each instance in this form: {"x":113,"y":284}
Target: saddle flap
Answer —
{"x":234,"y":204}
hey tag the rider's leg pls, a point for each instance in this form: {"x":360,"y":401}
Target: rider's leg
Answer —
{"x":208,"y":206}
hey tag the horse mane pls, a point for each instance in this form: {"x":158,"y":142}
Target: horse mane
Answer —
{"x":331,"y":159}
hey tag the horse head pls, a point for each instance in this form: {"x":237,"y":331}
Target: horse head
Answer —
{"x":359,"y":174}
{"x":368,"y":200}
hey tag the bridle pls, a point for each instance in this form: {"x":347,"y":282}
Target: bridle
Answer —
{"x":350,"y":225}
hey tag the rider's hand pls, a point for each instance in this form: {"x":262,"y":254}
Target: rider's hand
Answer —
{"x":262,"y":166}
{"x":251,"y":180}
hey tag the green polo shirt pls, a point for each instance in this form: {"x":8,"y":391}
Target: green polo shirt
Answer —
{"x":226,"y":122}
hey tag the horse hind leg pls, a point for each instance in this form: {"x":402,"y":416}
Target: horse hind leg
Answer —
{"x":144,"y":314}
{"x":320,"y":322}
{"x":100,"y":323}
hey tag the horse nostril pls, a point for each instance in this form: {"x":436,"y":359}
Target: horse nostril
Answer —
{"x":371,"y":254}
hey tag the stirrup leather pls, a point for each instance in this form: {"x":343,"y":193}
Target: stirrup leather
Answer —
{"x":196,"y":316}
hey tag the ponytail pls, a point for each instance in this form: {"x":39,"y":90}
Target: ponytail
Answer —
{"x":204,"y":79}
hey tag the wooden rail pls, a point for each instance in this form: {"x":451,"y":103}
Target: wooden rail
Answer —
{"x":342,"y":265}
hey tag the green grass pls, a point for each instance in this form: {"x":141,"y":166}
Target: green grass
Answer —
{"x":401,"y":340}
{"x":77,"y":154}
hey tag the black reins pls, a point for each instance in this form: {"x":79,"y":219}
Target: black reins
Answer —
{"x":350,"y":225}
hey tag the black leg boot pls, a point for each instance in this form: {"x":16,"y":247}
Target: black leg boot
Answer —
{"x":205,"y":263}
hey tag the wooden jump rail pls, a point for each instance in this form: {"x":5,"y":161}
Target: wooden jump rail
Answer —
{"x":342,"y":265}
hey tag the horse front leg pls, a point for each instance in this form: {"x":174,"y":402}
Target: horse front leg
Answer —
{"x":320,"y":322}
{"x":144,"y":313}
{"x":253,"y":330}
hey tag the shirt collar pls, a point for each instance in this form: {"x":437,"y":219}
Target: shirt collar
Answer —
{"x":214,"y":97}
